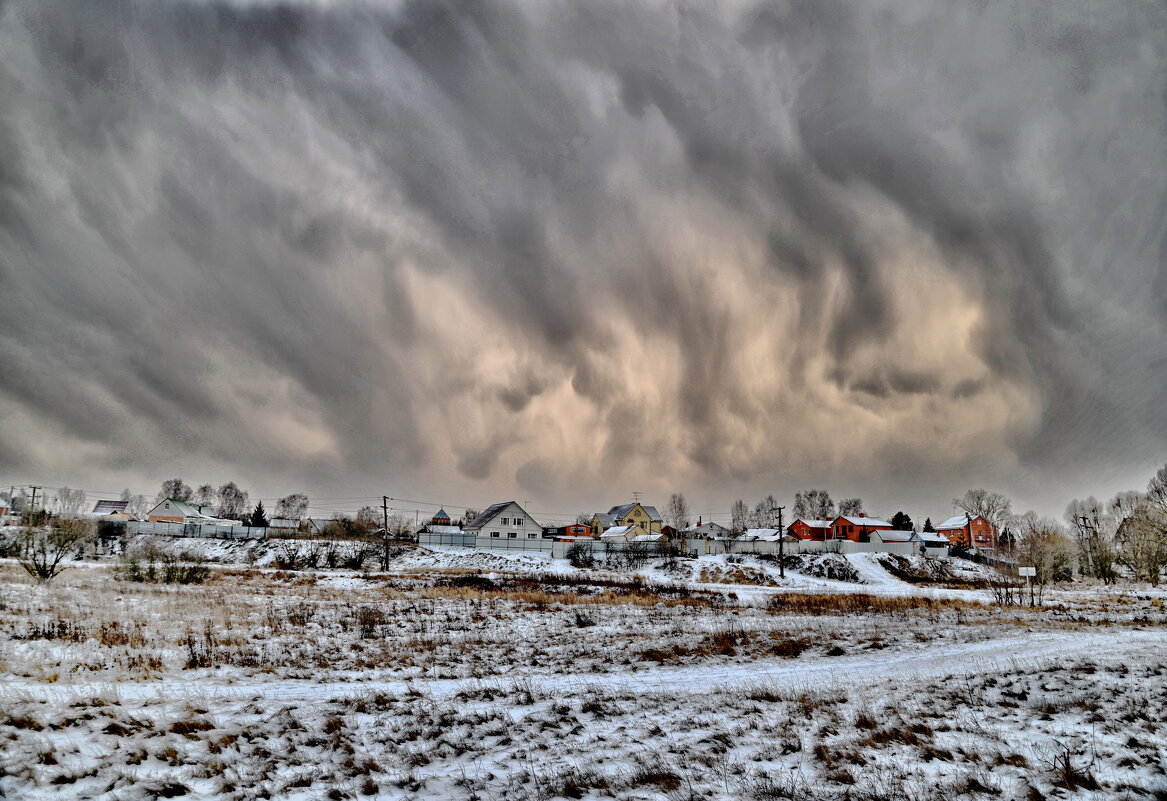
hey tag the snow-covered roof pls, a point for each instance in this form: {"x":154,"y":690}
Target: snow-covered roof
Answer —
{"x":184,"y":509}
{"x":618,"y":532}
{"x":956,"y":522}
{"x":109,"y":507}
{"x":814,"y":523}
{"x":933,"y":536}
{"x":648,"y":538}
{"x":283,"y":522}
{"x":433,"y":529}
{"x":870,"y":522}
{"x":895,"y":535}
{"x":762,"y":534}
{"x":492,"y":512}
{"x":619,"y":512}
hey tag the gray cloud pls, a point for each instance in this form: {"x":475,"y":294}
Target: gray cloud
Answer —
{"x":580,"y":247}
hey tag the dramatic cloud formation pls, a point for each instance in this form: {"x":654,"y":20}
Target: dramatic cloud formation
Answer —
{"x":560,"y":250}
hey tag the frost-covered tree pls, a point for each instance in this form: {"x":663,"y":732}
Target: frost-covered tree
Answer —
{"x":739,"y":515}
{"x":993,"y":506}
{"x":1094,"y":527}
{"x":176,"y":489}
{"x":813,"y":503}
{"x":677,"y":511}
{"x":232,"y":502}
{"x":292,"y":507}
{"x":70,"y":501}
{"x":852,"y":507}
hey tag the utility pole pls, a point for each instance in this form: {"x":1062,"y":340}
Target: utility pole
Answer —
{"x":385,"y":510}
{"x":32,"y":503}
{"x":781,"y":545}
{"x":385,"y":533}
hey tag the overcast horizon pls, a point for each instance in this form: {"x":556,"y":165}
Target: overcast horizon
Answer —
{"x":561,"y":252}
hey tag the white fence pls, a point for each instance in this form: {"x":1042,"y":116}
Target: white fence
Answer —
{"x":461,"y":539}
{"x":196,"y":530}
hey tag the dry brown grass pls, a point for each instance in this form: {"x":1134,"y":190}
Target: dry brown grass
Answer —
{"x":859,"y":603}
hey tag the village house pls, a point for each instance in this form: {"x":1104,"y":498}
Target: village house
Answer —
{"x":505,"y":520}
{"x":818,"y":530}
{"x":857,"y":528}
{"x":707,"y":531}
{"x":172,"y":511}
{"x":630,"y":514}
{"x":969,"y":531}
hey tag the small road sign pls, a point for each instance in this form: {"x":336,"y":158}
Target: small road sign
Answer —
{"x":1027,"y":571}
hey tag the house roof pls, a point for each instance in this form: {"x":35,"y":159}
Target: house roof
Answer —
{"x":618,"y":512}
{"x":185,"y":509}
{"x":763,"y":534}
{"x":606,"y":520}
{"x":870,"y":522}
{"x":110,"y":507}
{"x":433,"y":529}
{"x":441,"y":513}
{"x":896,"y":535}
{"x":814,"y":523}
{"x":490,"y":512}
{"x":648,"y":538}
{"x":933,"y":536}
{"x":957,"y":522}
{"x":619,"y":531}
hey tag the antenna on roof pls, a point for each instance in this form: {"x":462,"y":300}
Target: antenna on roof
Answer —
{"x":636,"y":495}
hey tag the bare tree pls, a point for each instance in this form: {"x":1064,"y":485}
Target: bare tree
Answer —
{"x":45,"y":549}
{"x":232,"y":502}
{"x":993,"y":506}
{"x":1141,"y":536}
{"x":677,"y":511}
{"x":813,"y":503}
{"x":1094,"y":528}
{"x":852,"y":507}
{"x":369,"y":517}
{"x":739,"y":515}
{"x":70,"y":501}
{"x":176,"y":489}
{"x":1042,"y":545}
{"x":292,"y":507}
{"x":469,"y":515}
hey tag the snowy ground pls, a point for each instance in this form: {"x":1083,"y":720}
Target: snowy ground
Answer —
{"x":464,"y":674}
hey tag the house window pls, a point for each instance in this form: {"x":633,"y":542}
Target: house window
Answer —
{"x":504,"y":521}
{"x":512,"y":535}
{"x":530,"y":536}
{"x":494,"y":534}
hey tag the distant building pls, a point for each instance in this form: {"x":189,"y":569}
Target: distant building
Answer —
{"x":629,"y":514}
{"x":624,"y":534}
{"x":441,"y":518}
{"x":110,"y":507}
{"x":172,"y":511}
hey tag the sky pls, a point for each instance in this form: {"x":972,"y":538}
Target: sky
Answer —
{"x":562,"y":252}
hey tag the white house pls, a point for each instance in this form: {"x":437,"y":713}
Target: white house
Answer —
{"x":505,"y":520}
{"x":172,"y":511}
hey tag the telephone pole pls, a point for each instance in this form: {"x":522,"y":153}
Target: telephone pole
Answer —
{"x":385,"y":511}
{"x":781,"y":545}
{"x":32,"y":503}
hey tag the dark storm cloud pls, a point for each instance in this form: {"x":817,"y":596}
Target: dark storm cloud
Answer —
{"x":201,"y":199}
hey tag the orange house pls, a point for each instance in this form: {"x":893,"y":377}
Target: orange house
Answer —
{"x":817,"y":529}
{"x":969,"y":531}
{"x":858,"y":529}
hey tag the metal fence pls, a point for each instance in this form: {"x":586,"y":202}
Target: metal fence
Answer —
{"x":461,"y":539}
{"x":197,"y":530}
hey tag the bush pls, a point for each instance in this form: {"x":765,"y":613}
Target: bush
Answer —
{"x":44,"y":550}
{"x":152,"y":566}
{"x":581,"y":555}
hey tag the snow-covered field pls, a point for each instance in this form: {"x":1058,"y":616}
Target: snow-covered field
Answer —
{"x":464,"y":674}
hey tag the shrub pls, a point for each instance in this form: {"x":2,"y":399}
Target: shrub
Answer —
{"x":44,"y":550}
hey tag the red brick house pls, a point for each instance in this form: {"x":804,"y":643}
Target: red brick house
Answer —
{"x":969,"y":531}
